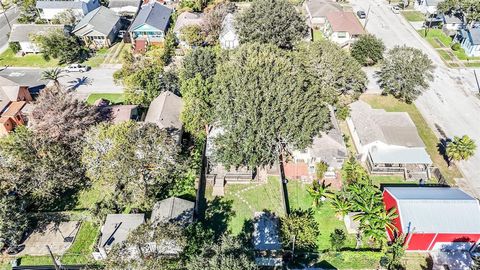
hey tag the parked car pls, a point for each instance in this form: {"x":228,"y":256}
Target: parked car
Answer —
{"x":121,"y":33}
{"x":396,"y":9}
{"x":361,"y":14}
{"x":76,"y":68}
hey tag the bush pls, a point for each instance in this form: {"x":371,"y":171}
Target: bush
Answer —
{"x":14,"y":46}
{"x":368,"y":50}
{"x":456,"y":46}
{"x":337,"y":239}
{"x":342,"y":112}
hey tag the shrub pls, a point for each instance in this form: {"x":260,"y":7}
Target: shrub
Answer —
{"x":456,"y":46}
{"x":368,"y":50}
{"x":14,"y":46}
{"x":337,"y":239}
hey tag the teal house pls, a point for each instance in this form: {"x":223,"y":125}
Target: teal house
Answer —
{"x":150,"y":25}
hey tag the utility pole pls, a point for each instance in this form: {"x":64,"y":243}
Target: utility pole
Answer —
{"x":57,"y":267}
{"x":368,"y":16}
{"x":5,"y":14}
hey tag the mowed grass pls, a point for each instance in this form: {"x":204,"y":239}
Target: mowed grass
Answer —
{"x":390,"y":104}
{"x":413,"y":16}
{"x":435,"y":35}
{"x":8,"y":58}
{"x":113,"y":98}
{"x":317,"y":35}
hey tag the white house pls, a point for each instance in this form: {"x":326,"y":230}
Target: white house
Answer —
{"x":317,"y":11}
{"x":469,"y":39}
{"x":426,"y":6}
{"x":50,"y":8}
{"x":228,"y":36}
{"x":342,"y":28}
{"x":22,"y":33}
{"x":126,"y":8}
{"x":388,"y":142}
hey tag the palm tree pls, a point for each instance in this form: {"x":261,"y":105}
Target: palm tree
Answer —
{"x":319,"y":192}
{"x":460,"y":149}
{"x":53,"y":75}
{"x":341,"y":206}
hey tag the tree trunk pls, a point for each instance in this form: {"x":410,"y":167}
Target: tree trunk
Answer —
{"x":286,"y":205}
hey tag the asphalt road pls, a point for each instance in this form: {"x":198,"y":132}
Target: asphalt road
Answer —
{"x":451,"y":103}
{"x":12,"y":15}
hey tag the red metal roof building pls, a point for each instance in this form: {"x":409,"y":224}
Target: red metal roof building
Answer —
{"x":434,"y":218}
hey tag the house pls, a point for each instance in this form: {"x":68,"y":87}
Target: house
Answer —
{"x":122,"y":113}
{"x":164,"y":111}
{"x":469,"y":39}
{"x":218,"y":174}
{"x":426,"y":6}
{"x":329,"y":147}
{"x":434,"y":218}
{"x":452,"y":23}
{"x":125,"y":8}
{"x":98,"y":28}
{"x":317,"y":11}
{"x":13,"y":99}
{"x":22,"y":33}
{"x":388,"y":142}
{"x":116,"y":229}
{"x":342,"y":28}
{"x":150,"y":25}
{"x":228,"y":35}
{"x":48,"y":9}
{"x":187,"y":19}
{"x":173,"y":209}
{"x":266,"y":240}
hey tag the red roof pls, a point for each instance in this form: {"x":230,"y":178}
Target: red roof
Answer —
{"x":345,"y":22}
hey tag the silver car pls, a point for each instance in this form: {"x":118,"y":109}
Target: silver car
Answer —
{"x":76,"y":68}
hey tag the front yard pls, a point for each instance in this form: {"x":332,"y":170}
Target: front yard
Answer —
{"x":413,"y":16}
{"x":112,"y":97}
{"x":8,"y":58}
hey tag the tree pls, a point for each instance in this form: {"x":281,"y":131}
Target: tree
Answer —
{"x":392,"y":259}
{"x":320,"y":169}
{"x":337,"y":239}
{"x":405,"y":73}
{"x":299,"y":229}
{"x":66,"y":17}
{"x":213,"y":22}
{"x":460,"y":148}
{"x":14,"y":46}
{"x":142,"y":86}
{"x":192,"y":35}
{"x":56,"y":44}
{"x":28,"y":12}
{"x":54,"y":75}
{"x":368,"y":50}
{"x":352,"y":171}
{"x":228,"y":253}
{"x":202,"y":61}
{"x":468,"y":8}
{"x":271,"y":21}
{"x":341,"y":206}
{"x":59,"y":116}
{"x":319,"y":192}
{"x":135,"y":163}
{"x":13,"y":220}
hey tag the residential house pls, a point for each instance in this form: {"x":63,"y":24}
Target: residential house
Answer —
{"x":434,"y":218}
{"x":173,"y":209}
{"x":23,"y":34}
{"x":218,"y":174}
{"x":228,"y":36}
{"x":266,"y":240}
{"x":115,"y":230}
{"x":452,"y":23}
{"x":469,"y":39}
{"x":125,"y":8}
{"x":48,"y":9}
{"x":187,"y":19}
{"x":164,"y":111}
{"x":98,"y":28}
{"x":150,"y":25}
{"x":426,"y":6}
{"x":317,"y":11}
{"x":388,"y":142}
{"x":13,"y":100}
{"x":122,"y":113}
{"x":342,"y":28}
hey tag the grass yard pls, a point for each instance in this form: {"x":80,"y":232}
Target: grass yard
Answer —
{"x":113,"y":98}
{"x":97,"y":59}
{"x":391,"y":179}
{"x":389,"y":103}
{"x":317,"y":35}
{"x":445,"y":55}
{"x":413,"y":16}
{"x":8,"y":58}
{"x":435,"y":35}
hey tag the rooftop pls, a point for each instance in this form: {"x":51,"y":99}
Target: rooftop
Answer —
{"x":23,"y":32}
{"x":121,"y":113}
{"x":345,"y":22}
{"x":153,"y":14}
{"x":101,"y":20}
{"x":65,"y":4}
{"x":173,"y":209}
{"x":187,"y":19}
{"x":400,"y":155}
{"x":165,"y":111}
{"x":123,"y":3}
{"x":266,"y":232}
{"x":117,"y":227}
{"x":320,"y":8}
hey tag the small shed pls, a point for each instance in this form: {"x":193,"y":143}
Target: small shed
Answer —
{"x":173,"y":209}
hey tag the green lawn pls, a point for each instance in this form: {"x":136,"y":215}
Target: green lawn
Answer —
{"x":389,"y":103}
{"x":317,"y":35}
{"x":113,"y":98}
{"x":435,"y":35}
{"x":98,"y":58}
{"x":8,"y":58}
{"x":413,"y":16}
{"x":445,"y":55}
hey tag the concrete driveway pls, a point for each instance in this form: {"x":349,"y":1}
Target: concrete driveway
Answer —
{"x":451,"y":102}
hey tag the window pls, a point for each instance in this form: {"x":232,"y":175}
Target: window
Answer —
{"x":342,"y":34}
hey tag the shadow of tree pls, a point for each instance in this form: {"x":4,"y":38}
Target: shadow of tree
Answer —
{"x":442,"y":148}
{"x":428,"y":263}
{"x":218,"y":214}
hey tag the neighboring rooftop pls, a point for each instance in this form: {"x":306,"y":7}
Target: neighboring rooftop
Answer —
{"x":187,"y":19}
{"x":399,"y":155}
{"x":117,"y":227}
{"x":320,"y":8}
{"x":433,"y":3}
{"x":228,"y":25}
{"x":9,"y":91}
{"x":393,"y":128}
{"x":123,"y":3}
{"x":101,"y":20}
{"x":473,"y":35}
{"x":173,"y":209}
{"x":436,"y":210}
{"x":342,"y":21}
{"x":266,"y":232}
{"x":63,"y":4}
{"x":457,"y":18}
{"x":23,"y":32}
{"x":121,"y":113}
{"x":165,"y":111}
{"x":153,"y":14}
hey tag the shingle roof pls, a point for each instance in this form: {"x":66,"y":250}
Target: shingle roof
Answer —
{"x":117,"y":227}
{"x":393,"y":128}
{"x":121,"y":113}
{"x":67,"y":4}
{"x":22,"y":32}
{"x":187,"y":19}
{"x":433,"y":3}
{"x":474,"y":35}
{"x":123,"y":3}
{"x":154,"y":14}
{"x":320,"y":8}
{"x":436,"y":210}
{"x":173,"y":209}
{"x":101,"y":20}
{"x":165,"y":111}
{"x":345,"y":22}
{"x":8,"y":92}
{"x":453,"y":18}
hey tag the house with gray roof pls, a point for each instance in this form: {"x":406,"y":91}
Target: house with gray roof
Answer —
{"x":186,"y":19}
{"x":469,"y":39}
{"x":453,"y":22}
{"x":317,"y":11}
{"x":388,"y":142}
{"x":127,"y":8}
{"x":98,"y":28}
{"x":23,"y":33}
{"x":150,"y":25}
{"x":49,"y":9}
{"x":164,"y":111}
{"x":173,"y":209}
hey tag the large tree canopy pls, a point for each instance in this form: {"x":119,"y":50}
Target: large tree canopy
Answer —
{"x":64,"y":47}
{"x":469,"y":8}
{"x":13,"y":220}
{"x":271,"y":21}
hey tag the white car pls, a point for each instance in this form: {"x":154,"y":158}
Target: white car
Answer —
{"x":396,"y":9}
{"x":76,"y":68}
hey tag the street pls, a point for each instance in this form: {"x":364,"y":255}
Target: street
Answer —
{"x":451,"y":103}
{"x":12,"y":15}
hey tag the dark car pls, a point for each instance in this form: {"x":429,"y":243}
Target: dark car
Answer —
{"x":361,"y":14}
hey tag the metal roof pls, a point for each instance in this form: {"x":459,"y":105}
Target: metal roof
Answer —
{"x":436,"y":210}
{"x":399,"y":154}
{"x":154,"y":14}
{"x":123,"y":3}
{"x":266,"y":232}
{"x":101,"y":20}
{"x":23,"y":32}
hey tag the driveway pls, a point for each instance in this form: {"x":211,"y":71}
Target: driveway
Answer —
{"x":451,"y":102}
